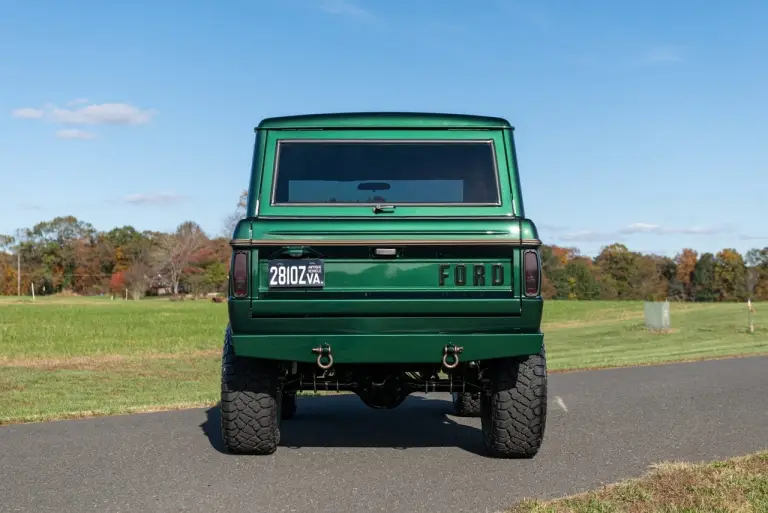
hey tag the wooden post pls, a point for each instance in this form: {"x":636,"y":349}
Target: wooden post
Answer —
{"x":750,"y":311}
{"x":33,"y":291}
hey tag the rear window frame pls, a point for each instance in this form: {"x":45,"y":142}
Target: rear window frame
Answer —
{"x":265,"y":167}
{"x":276,"y":171}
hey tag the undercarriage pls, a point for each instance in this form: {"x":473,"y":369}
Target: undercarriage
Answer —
{"x":384,"y":386}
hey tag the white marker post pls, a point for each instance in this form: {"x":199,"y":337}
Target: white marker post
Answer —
{"x":750,"y":311}
{"x":32,"y":286}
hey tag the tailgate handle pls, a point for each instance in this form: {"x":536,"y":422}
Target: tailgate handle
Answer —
{"x":385,"y":252}
{"x":380,"y":209}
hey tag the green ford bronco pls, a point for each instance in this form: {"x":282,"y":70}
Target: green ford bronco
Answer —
{"x":385,"y":254}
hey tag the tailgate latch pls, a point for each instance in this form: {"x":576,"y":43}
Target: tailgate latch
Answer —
{"x":383,"y":209}
{"x":324,"y":356}
{"x":452,"y":352}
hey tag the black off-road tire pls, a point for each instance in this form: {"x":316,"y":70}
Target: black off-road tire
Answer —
{"x":514,"y":414}
{"x":466,"y":404}
{"x":289,"y":405}
{"x":250,"y":403}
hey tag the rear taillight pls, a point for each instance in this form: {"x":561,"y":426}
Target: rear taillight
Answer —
{"x":240,"y":274}
{"x":531,"y":272}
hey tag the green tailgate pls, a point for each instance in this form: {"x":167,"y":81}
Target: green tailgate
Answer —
{"x":402,"y":308}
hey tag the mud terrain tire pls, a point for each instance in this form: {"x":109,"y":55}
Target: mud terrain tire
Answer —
{"x":466,"y":404}
{"x":250,"y":407}
{"x":514,"y":414}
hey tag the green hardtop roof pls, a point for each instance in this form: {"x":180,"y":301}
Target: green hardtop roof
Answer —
{"x":383,"y":120}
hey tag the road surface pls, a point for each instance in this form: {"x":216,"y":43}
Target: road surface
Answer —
{"x":338,"y":456}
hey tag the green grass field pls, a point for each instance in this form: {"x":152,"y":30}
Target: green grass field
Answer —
{"x":72,"y":357}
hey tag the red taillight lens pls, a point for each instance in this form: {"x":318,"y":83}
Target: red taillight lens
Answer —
{"x":240,"y":274}
{"x":531,"y":272}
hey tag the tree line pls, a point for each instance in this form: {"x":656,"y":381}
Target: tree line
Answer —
{"x":66,"y":254}
{"x":619,"y":273}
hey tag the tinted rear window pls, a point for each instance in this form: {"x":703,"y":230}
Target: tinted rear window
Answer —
{"x":389,"y":172}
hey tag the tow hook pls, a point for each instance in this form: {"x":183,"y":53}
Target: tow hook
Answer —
{"x":453,"y":352}
{"x":324,"y":356}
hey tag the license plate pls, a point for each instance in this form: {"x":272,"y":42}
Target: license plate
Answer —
{"x":289,"y":273}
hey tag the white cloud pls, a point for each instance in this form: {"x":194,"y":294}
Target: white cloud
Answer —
{"x":103,"y":114}
{"x":27,"y":113}
{"x":75,"y":133}
{"x":753,"y":237}
{"x":94,"y":114}
{"x":633,"y":229}
{"x":160,"y":198}
{"x":78,"y":101}
{"x":662,"y":230}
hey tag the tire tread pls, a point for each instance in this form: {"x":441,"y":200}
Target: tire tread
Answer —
{"x":249,"y":408}
{"x":467,"y":404}
{"x":514,"y":415}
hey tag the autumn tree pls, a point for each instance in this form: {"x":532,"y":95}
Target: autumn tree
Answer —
{"x":647,"y":280}
{"x":208,"y":269}
{"x":581,"y":279}
{"x":93,"y":265}
{"x":555,"y":284}
{"x":548,"y":290}
{"x":730,"y":278}
{"x":668,"y":284}
{"x":117,"y":283}
{"x":49,"y":249}
{"x":143,"y":266}
{"x":757,"y":273}
{"x":686,"y":265}
{"x":617,"y":264}
{"x":124,"y":243}
{"x":7,"y":270}
{"x":176,"y":250}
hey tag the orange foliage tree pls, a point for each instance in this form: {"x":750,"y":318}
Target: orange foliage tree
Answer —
{"x":686,"y":264}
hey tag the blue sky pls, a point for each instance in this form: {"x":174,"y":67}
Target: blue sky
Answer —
{"x":643,"y":122}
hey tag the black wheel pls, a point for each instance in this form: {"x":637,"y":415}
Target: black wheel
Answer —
{"x":466,"y":404}
{"x":514,"y":412}
{"x":250,"y":411}
{"x":289,"y":405}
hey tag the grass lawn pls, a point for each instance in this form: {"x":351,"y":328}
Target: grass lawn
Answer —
{"x":71,"y":357}
{"x":735,"y":485}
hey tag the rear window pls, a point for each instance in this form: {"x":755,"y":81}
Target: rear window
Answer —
{"x":391,"y":172}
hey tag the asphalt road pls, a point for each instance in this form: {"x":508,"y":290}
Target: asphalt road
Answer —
{"x":338,"y":456}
